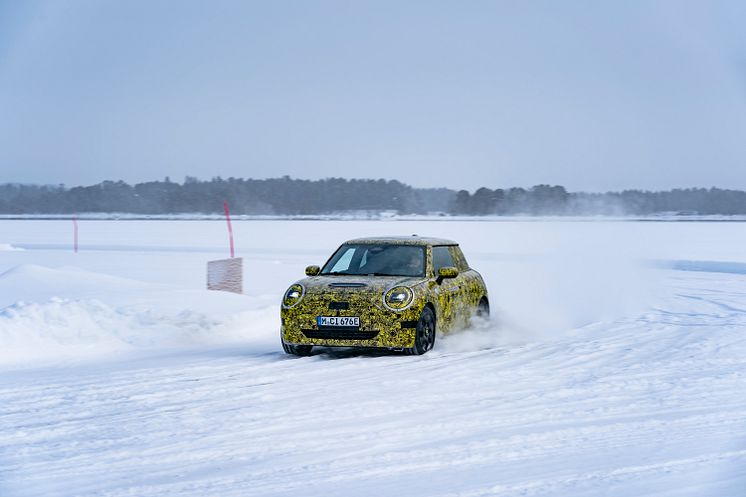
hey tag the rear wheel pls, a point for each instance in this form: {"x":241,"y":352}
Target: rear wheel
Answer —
{"x":299,"y":350}
{"x":424,"y":334}
{"x":483,"y":309}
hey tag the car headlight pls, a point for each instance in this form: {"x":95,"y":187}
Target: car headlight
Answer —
{"x":293,"y":295}
{"x":398,"y":298}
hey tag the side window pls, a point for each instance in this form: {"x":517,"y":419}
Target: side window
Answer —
{"x":441,"y":258}
{"x":458,"y":256}
{"x":364,"y":259}
{"x":343,"y":264}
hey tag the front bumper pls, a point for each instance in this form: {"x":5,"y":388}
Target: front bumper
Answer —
{"x":379,"y":327}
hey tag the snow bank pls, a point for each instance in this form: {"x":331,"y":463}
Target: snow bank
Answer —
{"x":63,"y":328}
{"x":706,"y":266}
{"x":61,"y":314}
{"x":6,"y":247}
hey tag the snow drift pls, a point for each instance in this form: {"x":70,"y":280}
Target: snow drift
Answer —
{"x":71,"y":313}
{"x":6,"y":247}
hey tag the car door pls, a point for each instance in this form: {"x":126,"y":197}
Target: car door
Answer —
{"x":470,"y":290}
{"x":448,"y":289}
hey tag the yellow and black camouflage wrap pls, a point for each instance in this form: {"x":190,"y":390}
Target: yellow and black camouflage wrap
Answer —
{"x":453,"y":300}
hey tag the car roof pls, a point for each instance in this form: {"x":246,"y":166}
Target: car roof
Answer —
{"x":402,"y":240}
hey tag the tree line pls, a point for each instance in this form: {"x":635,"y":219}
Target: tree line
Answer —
{"x":555,"y":200}
{"x":288,"y":196}
{"x":276,"y":196}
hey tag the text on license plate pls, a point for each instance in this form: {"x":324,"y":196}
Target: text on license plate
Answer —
{"x":338,"y":321}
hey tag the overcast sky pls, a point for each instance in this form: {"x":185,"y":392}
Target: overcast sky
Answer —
{"x":592,"y":95}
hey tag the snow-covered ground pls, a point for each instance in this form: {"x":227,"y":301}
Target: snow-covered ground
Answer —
{"x":615,"y":364}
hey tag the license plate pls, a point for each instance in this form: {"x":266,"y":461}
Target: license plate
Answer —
{"x":338,"y":321}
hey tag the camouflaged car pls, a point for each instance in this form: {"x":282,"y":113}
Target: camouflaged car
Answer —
{"x":392,"y":293}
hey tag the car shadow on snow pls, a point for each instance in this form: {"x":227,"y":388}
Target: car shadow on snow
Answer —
{"x":335,"y":353}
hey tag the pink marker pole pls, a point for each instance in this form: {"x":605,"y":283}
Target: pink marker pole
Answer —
{"x":75,"y":234}
{"x":230,"y":228}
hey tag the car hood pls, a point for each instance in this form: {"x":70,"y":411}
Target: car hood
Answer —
{"x":358,"y":284}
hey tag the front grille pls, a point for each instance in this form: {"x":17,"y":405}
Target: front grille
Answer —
{"x":339,"y":306}
{"x":340,"y":333}
{"x":338,"y":328}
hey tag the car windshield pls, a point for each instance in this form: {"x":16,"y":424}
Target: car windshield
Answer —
{"x":377,"y":260}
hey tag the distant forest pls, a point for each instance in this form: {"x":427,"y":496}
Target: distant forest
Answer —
{"x":287,"y":196}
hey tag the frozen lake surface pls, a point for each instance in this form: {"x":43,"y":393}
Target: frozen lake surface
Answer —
{"x":615,"y":364}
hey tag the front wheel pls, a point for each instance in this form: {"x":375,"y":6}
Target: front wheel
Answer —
{"x":425,"y":333}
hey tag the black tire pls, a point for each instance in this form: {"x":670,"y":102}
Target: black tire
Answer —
{"x":299,"y":350}
{"x":424,"y":339}
{"x":483,"y":309}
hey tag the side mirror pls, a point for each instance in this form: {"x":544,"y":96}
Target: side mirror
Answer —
{"x":447,"y":272}
{"x":312,"y":270}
